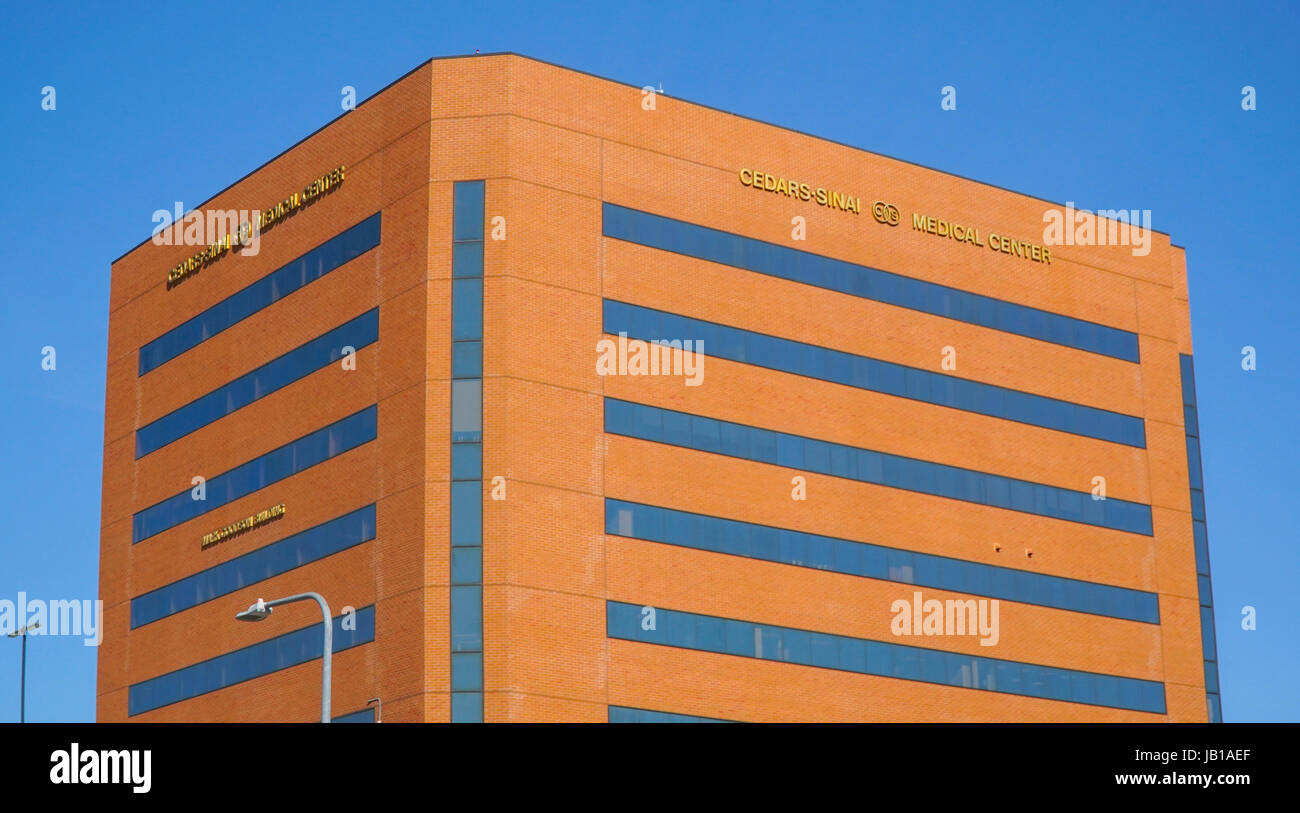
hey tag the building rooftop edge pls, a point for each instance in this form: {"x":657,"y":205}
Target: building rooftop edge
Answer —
{"x":431,"y":60}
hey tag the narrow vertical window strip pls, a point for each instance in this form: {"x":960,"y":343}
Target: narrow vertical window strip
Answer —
{"x":1201,"y":546}
{"x":465,"y":506}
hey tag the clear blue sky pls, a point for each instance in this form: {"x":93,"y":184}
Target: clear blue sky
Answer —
{"x":1109,"y":105}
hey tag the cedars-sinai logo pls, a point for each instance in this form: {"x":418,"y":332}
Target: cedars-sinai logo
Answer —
{"x":658,"y":357}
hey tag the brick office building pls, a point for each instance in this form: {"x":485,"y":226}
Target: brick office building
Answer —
{"x":905,"y":394}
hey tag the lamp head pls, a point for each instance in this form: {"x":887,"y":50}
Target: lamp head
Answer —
{"x":256,"y":612}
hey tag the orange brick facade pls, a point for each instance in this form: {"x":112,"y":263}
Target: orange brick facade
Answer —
{"x":552,"y":146}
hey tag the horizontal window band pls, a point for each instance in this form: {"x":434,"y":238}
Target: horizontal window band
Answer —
{"x":746,"y":639}
{"x":627,"y":714}
{"x":290,"y":459}
{"x":862,"y":372}
{"x":867,"y":466}
{"x":311,"y":545}
{"x":783,"y":546}
{"x":276,"y":374}
{"x":725,"y":248}
{"x":291,"y":649}
{"x":297,"y":273}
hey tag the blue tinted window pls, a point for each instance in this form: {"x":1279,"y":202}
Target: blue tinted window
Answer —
{"x":362,"y":716}
{"x":891,"y":660}
{"x":811,"y":269}
{"x":467,"y":359}
{"x":467,"y":410}
{"x":466,"y":461}
{"x":278,"y":557}
{"x":795,"y":451}
{"x":1201,"y":545}
{"x":467,"y":309}
{"x":467,"y":513}
{"x":1194,"y":462}
{"x":1207,"y":633}
{"x":466,"y":508}
{"x":467,"y":707}
{"x":275,"y":286}
{"x":281,"y":372}
{"x":258,"y":473}
{"x":1188,"y":377}
{"x":467,"y":210}
{"x":467,"y":671}
{"x":467,"y":565}
{"x":281,"y":652}
{"x":1200,"y":540}
{"x":467,"y":260}
{"x":623,"y":714}
{"x":466,"y":619}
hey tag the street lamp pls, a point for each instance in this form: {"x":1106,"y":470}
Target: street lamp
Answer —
{"x":22,"y":681}
{"x":262,"y":609}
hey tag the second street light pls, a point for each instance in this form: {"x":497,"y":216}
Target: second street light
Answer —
{"x":22,"y":680}
{"x":262,"y":609}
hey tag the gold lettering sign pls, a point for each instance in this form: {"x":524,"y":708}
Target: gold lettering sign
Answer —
{"x":964,"y":233}
{"x":264,"y":220}
{"x":245,"y":524}
{"x":765,"y":182}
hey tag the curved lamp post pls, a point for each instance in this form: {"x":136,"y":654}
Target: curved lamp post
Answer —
{"x":262,"y":609}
